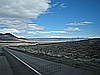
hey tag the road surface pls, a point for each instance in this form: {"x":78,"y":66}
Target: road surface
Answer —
{"x":11,"y":66}
{"x":4,"y":65}
{"x":44,"y":67}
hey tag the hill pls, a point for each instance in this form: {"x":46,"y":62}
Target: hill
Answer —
{"x":8,"y":37}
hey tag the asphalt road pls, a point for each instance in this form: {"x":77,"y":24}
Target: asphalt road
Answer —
{"x":17,"y":67}
{"x":5,"y":68}
{"x":43,"y":66}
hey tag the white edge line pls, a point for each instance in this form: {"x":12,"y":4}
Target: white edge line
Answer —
{"x":24,"y":63}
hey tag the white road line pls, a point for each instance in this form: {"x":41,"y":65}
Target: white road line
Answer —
{"x":24,"y":63}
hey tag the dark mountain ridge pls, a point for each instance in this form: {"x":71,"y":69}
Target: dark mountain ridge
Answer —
{"x":8,"y":37}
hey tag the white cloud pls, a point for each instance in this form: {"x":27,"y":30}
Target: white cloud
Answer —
{"x":58,"y":36}
{"x":23,"y":8}
{"x":38,"y":32}
{"x":55,"y":36}
{"x":72,"y":29}
{"x":61,"y":6}
{"x":9,"y":31}
{"x":57,"y":31}
{"x":19,"y":24}
{"x":20,"y":36}
{"x":46,"y":32}
{"x":55,"y":4}
{"x":80,"y":23}
{"x":36,"y":27}
{"x":15,"y":14}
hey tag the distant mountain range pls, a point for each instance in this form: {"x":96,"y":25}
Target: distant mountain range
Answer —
{"x":11,"y":37}
{"x":59,"y":39}
{"x":8,"y":37}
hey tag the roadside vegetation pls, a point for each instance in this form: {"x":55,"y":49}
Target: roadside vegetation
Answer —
{"x":83,"y":54}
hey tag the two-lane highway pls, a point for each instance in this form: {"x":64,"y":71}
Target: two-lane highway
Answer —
{"x":45,"y":67}
{"x":17,"y":67}
{"x":5,"y":68}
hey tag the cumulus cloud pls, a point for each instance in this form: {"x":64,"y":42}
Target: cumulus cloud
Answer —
{"x":16,"y":25}
{"x":23,"y":8}
{"x":15,"y":15}
{"x":80,"y":23}
{"x":72,"y":29}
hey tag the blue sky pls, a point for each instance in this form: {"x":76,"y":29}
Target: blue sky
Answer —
{"x":51,"y":18}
